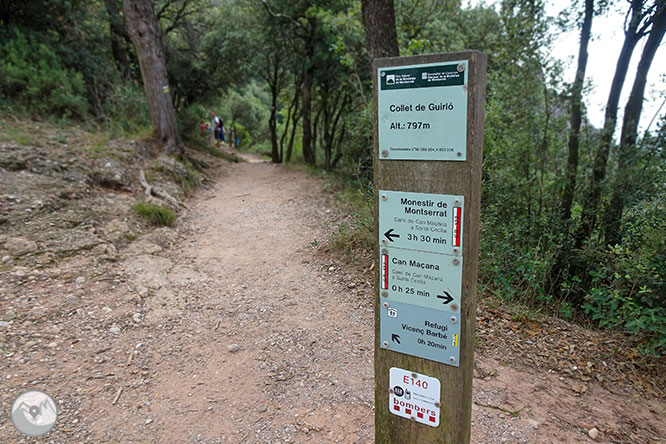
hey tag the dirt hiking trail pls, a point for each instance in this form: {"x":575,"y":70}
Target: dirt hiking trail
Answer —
{"x":236,"y":328}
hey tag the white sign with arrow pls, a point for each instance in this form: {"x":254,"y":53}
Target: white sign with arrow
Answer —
{"x":421,"y":221}
{"x":419,"y":278}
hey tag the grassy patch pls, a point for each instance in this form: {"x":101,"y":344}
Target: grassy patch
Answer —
{"x":17,"y":133}
{"x":155,"y":214}
{"x":353,"y":234}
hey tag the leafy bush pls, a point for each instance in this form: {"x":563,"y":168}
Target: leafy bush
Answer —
{"x":357,"y":146}
{"x":248,"y":108}
{"x":155,"y":214}
{"x":125,"y":110}
{"x":33,"y":77}
{"x":626,"y":294}
{"x":243,"y":135}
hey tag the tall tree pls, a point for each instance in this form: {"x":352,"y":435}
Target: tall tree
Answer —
{"x":576,"y":113}
{"x":380,"y":34}
{"x":622,"y":189}
{"x":635,"y":28}
{"x":275,"y":76}
{"x":305,"y":27}
{"x":309,"y":31}
{"x":147,"y":39}
{"x":563,"y":255}
{"x":118,"y":36}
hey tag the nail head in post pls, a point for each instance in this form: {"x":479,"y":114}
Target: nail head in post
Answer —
{"x":385,"y":294}
{"x":456,"y":261}
{"x":384,"y":153}
{"x":391,"y":391}
{"x":460,"y":67}
{"x":456,"y":201}
{"x":452,"y":360}
{"x":415,"y":376}
{"x":454,"y":319}
{"x":385,"y":344}
{"x":459,"y":154}
{"x":384,"y":251}
{"x":454,"y":307}
{"x":383,"y":73}
{"x":456,"y":250}
{"x":385,"y":304}
{"x":384,"y":242}
{"x":438,"y":405}
{"x":384,"y":197}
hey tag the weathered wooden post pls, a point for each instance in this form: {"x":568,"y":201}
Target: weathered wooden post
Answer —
{"x":429,"y":122}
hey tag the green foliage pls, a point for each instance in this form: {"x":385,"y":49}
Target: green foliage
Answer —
{"x":35,"y":80}
{"x":189,"y":119}
{"x":352,"y":235}
{"x":358,"y":144}
{"x":124,"y":113}
{"x":243,"y":135}
{"x":246,"y":110}
{"x":242,"y":57}
{"x":155,"y":214}
{"x":628,"y":294}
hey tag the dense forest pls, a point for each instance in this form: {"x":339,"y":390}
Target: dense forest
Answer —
{"x":573,"y":216}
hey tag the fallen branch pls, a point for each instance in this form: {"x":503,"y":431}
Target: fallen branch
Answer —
{"x":115,"y":400}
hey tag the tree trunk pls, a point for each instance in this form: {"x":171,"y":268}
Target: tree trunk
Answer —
{"x":632,"y":114}
{"x":296,"y":116}
{"x":315,"y":126}
{"x":309,"y":154}
{"x":118,"y":36}
{"x":575,"y":121}
{"x":272,"y":124}
{"x":591,"y":202}
{"x":557,"y":271}
{"x":381,"y":38}
{"x":146,"y":37}
{"x":275,"y":86}
{"x":293,"y":108}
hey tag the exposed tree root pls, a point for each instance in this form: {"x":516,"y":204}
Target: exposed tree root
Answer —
{"x":156,"y":193}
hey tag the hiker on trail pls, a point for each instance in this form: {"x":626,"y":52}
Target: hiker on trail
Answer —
{"x":218,"y":128}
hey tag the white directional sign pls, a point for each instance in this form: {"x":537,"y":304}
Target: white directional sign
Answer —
{"x":421,"y":221}
{"x":419,"y":278}
{"x":414,"y":396}
{"x":421,"y":268}
{"x":418,"y":331}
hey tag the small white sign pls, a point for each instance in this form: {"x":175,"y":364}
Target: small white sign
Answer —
{"x":414,"y":396}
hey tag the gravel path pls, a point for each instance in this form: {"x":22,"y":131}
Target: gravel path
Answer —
{"x":236,"y":328}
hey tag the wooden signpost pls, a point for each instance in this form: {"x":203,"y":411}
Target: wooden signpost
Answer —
{"x":428,"y":135}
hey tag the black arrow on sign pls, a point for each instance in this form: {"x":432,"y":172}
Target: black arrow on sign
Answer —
{"x":395,"y":338}
{"x":390,"y":235}
{"x":446,"y":296}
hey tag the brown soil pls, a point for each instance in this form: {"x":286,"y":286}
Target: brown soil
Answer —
{"x":234,"y":327}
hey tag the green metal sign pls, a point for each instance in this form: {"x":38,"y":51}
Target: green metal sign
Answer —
{"x":421,"y":221}
{"x":421,"y":332}
{"x":422,"y":112}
